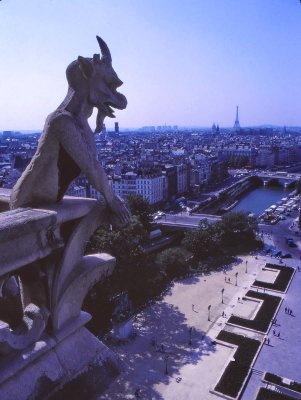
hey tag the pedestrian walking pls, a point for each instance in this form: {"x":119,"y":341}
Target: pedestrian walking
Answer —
{"x":291,"y":312}
{"x":225,"y":279}
{"x":278,"y":334}
{"x":274,"y":332}
{"x":285,"y":310}
{"x":268,"y":341}
{"x":229,"y":280}
{"x":239,"y":299}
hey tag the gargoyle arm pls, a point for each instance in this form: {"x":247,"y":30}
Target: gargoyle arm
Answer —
{"x":81,"y":148}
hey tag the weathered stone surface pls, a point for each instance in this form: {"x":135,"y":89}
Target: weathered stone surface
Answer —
{"x":34,"y":323}
{"x":42,"y":246}
{"x":67,"y":147}
{"x":48,"y":366}
{"x":92,"y":269}
{"x":48,"y":360}
{"x":24,"y":229}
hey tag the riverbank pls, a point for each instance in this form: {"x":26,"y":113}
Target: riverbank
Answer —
{"x":260,"y":198}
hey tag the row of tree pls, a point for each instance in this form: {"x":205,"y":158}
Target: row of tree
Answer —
{"x":235,"y":231}
{"x":144,"y":276}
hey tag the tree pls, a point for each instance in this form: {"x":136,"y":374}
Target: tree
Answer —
{"x":124,"y":244}
{"x":203,"y":241}
{"x":237,"y":227}
{"x":141,"y":208}
{"x":172,"y":261}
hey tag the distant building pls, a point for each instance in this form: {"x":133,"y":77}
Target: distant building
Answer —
{"x":236,"y":126}
{"x":213,"y":129}
{"x":170,"y":172}
{"x":149,"y":187}
{"x":182,"y":178}
{"x":7,"y":134}
{"x":76,"y":191}
{"x":265,"y":157}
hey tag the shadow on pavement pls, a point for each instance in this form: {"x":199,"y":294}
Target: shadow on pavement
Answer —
{"x":163,"y":340}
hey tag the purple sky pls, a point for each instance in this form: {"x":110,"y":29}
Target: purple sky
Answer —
{"x":182,"y":62}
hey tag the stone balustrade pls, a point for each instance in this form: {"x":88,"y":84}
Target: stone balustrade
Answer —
{"x":43,"y":268}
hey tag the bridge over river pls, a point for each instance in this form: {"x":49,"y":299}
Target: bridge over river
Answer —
{"x":185,"y":221}
{"x":280,"y":177}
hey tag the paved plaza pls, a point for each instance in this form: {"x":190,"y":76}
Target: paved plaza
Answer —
{"x":283,"y":356}
{"x":172,"y":355}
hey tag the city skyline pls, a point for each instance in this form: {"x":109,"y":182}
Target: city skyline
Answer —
{"x":181,"y":65}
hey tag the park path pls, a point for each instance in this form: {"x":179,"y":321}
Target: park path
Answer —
{"x":191,"y":369}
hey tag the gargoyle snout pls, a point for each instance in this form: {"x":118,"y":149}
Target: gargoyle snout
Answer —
{"x":118,"y":82}
{"x":121,"y":101}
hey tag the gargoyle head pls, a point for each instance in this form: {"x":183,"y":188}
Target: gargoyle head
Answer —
{"x":95,"y":79}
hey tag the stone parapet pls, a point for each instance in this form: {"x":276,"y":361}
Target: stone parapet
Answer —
{"x":43,"y":269}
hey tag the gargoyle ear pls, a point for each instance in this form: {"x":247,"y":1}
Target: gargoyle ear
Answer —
{"x":85,"y":66}
{"x":96,"y":58}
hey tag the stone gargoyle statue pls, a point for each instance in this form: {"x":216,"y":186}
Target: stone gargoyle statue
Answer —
{"x":67,"y":147}
{"x":53,"y":287}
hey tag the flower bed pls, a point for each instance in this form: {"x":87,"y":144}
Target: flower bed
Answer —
{"x":296,"y":386}
{"x":265,"y":394}
{"x":264,"y":315}
{"x":282,"y":280}
{"x":237,"y":371}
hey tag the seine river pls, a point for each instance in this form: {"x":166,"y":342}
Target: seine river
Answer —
{"x":261,"y":198}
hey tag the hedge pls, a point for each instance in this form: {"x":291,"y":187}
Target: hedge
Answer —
{"x":237,"y":371}
{"x":282,"y":280}
{"x":278,"y":381}
{"x":264,"y":315}
{"x":265,"y":394}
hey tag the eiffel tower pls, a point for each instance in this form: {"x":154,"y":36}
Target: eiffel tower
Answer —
{"x":236,"y":126}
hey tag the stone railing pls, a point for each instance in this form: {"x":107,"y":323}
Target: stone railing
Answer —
{"x":44,"y":278}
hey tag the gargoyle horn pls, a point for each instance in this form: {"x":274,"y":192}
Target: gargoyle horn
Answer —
{"x":104,"y":49}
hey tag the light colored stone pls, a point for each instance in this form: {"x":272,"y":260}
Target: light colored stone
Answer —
{"x":48,"y":366}
{"x":67,"y":147}
{"x":43,"y":245}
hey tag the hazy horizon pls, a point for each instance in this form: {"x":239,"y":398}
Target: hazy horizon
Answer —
{"x":186,"y":64}
{"x":184,"y":127}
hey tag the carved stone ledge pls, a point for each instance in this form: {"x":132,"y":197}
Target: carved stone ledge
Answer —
{"x":44,"y":249}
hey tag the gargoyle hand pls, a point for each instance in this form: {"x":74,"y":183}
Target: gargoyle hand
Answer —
{"x":121,"y":215}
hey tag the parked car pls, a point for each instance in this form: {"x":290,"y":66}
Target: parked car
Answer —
{"x":290,"y":242}
{"x":287,"y":255}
